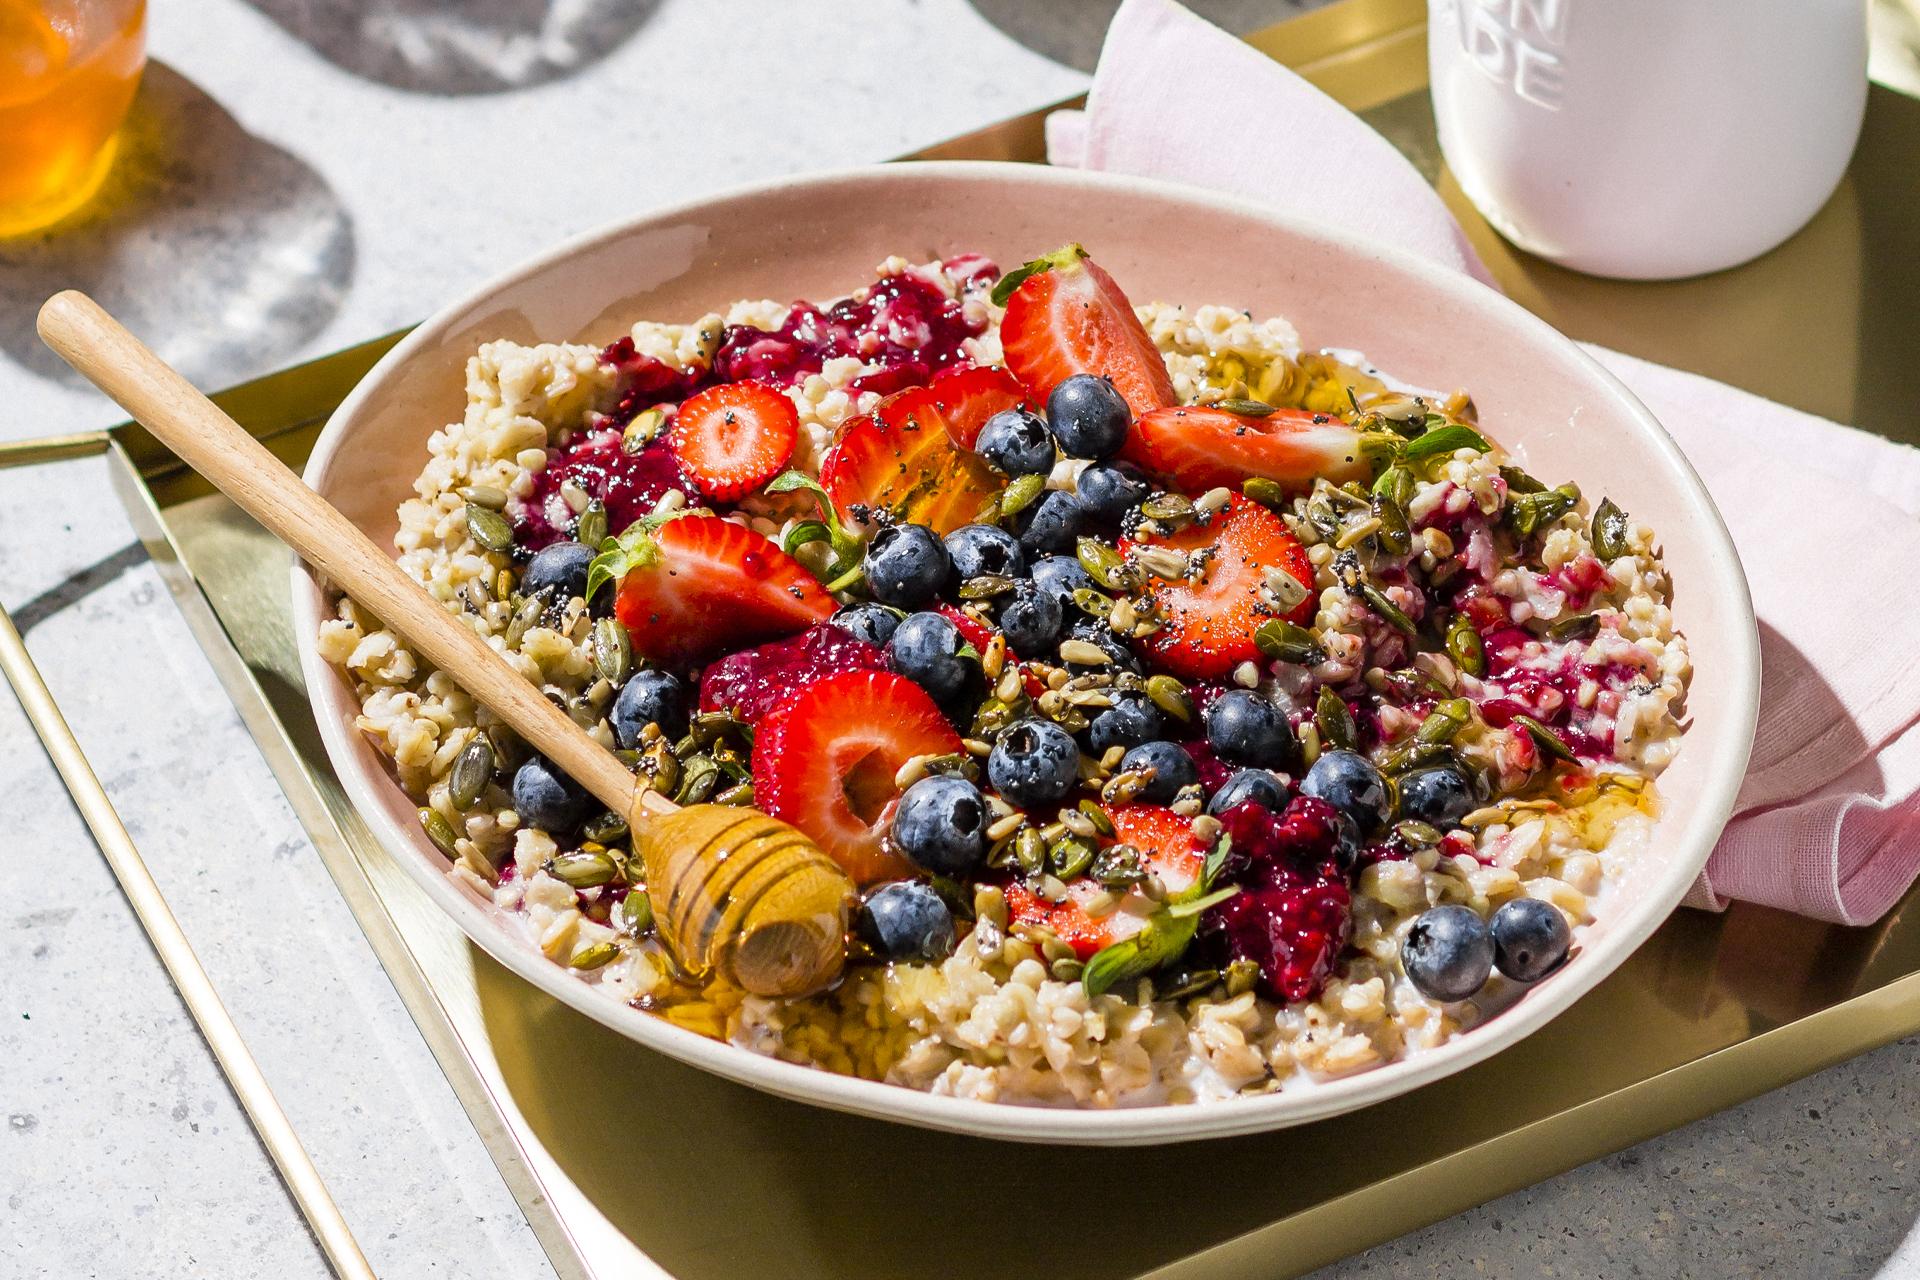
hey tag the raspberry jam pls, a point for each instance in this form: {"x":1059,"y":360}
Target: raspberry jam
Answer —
{"x":1293,"y":915}
{"x":753,"y":682}
{"x":628,"y":483}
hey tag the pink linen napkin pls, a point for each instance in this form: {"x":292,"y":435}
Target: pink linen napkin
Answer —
{"x":1827,"y":823}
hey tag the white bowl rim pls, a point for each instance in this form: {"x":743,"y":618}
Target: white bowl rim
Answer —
{"x":1117,"y":1126}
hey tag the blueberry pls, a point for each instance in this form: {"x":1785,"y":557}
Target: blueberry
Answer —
{"x":558,"y":571}
{"x":1348,"y":781}
{"x":1441,"y":796}
{"x":1130,"y":721}
{"x":926,"y":650}
{"x":1051,"y":525}
{"x":1017,"y":442}
{"x":1173,"y":770}
{"x":906,"y":920}
{"x":1030,"y":618}
{"x":1245,"y":728}
{"x":546,"y":798}
{"x":941,"y":825}
{"x":1448,"y":953}
{"x":1255,"y":786}
{"x":1035,"y":763}
{"x":1530,"y":939}
{"x":649,"y":697}
{"x":1089,"y":416}
{"x":1095,"y":631}
{"x":1060,"y":577}
{"x":873,"y":623}
{"x":1108,"y":490}
{"x":985,"y":548}
{"x":907,"y":565}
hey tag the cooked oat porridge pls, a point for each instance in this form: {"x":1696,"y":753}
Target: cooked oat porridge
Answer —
{"x":1181,"y":713}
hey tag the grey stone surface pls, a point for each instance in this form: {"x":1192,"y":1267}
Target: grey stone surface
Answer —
{"x":301,"y":176}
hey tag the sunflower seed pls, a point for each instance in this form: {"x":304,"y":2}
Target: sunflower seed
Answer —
{"x":1008,"y":687}
{"x":1125,"y":788}
{"x":440,"y":831}
{"x":1084,"y":652}
{"x":1006,"y":826}
{"x":472,"y":770}
{"x":489,"y":528}
{"x":1164,"y":563}
{"x":1356,"y":534}
{"x":994,"y":660}
{"x":643,"y":430}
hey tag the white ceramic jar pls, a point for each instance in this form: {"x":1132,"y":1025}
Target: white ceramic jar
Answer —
{"x":1648,"y":139}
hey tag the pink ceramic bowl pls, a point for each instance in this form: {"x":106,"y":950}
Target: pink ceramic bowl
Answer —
{"x":817,"y":237}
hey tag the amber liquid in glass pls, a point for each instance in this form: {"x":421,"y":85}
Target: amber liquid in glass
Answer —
{"x":68,"y":69}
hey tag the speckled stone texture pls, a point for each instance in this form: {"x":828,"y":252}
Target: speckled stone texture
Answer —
{"x":299,"y":176}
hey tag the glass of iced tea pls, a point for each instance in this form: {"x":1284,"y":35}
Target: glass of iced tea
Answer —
{"x":68,"y":69}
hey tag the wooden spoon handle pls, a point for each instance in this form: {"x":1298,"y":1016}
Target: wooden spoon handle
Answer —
{"x":216,"y":446}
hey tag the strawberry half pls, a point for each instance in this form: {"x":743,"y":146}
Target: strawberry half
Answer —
{"x":1199,"y":447}
{"x":1067,"y":316}
{"x":697,"y":584}
{"x":1209,"y":623}
{"x":903,"y":459}
{"x":1167,"y":846}
{"x":968,"y":397}
{"x":825,"y":760}
{"x":733,"y":438}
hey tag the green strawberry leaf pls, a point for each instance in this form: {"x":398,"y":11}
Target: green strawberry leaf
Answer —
{"x":1444,"y":440}
{"x":829,"y":528}
{"x":633,"y":548}
{"x":1063,"y":256}
{"x":1167,"y":932}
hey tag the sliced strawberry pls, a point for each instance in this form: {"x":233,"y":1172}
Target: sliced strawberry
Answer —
{"x":1200,"y":447}
{"x":1067,"y":317}
{"x":825,"y":761}
{"x":901,"y":459}
{"x":1209,"y":623}
{"x":968,"y":397}
{"x":1167,"y":845}
{"x":735,"y":437}
{"x":971,"y":629}
{"x":699,"y":583}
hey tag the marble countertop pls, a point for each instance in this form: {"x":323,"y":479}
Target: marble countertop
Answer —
{"x":298,"y":177}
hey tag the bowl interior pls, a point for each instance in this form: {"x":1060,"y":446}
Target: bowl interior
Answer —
{"x":819,"y":237}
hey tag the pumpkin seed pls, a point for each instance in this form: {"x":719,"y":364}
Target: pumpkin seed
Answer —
{"x":1445,"y":720}
{"x":1519,"y":481}
{"x":1169,"y":508}
{"x":590,"y":530}
{"x":700,"y":778}
{"x":593,"y":957}
{"x":1417,"y":833}
{"x":472,"y":770}
{"x":1394,"y":533}
{"x":582,"y":869}
{"x":1095,"y":604}
{"x":440,"y":831}
{"x":660,"y":767}
{"x":1098,"y":817}
{"x":1118,"y":866}
{"x":1578,"y":626}
{"x":1104,"y":565}
{"x":1070,"y":855}
{"x":489,"y":528}
{"x":1021,"y":494}
{"x":612,"y":650}
{"x":643,"y":430}
{"x":1530,"y":512}
{"x":525,"y":614}
{"x":636,"y":913}
{"x":1396,"y":484}
{"x":1241,"y":977}
{"x":605,"y":829}
{"x":1268,"y":493}
{"x":1184,"y":982}
{"x":1030,"y":850}
{"x":1168,"y":694}
{"x":739,"y":794}
{"x":1389,"y":612}
{"x":1464,"y":647}
{"x":1067,"y":969}
{"x":1544,"y":738}
{"x":1335,"y":721}
{"x":1610,"y":531}
{"x":1325,"y":523}
{"x":1247,"y":408}
{"x":484,"y":495}
{"x":985,"y":586}
{"x":1284,"y":641}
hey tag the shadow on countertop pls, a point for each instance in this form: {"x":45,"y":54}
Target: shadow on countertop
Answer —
{"x":224,"y":252}
{"x":482,"y":46}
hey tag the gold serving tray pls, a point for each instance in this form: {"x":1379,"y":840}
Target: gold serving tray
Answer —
{"x":627,"y":1163}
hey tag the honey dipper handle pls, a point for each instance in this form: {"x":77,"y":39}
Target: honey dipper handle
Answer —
{"x":216,"y":446}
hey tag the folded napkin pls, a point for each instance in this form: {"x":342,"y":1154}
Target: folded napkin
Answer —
{"x":1828,"y":821}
